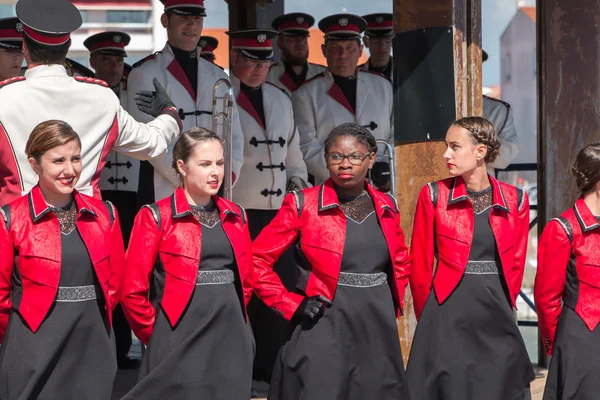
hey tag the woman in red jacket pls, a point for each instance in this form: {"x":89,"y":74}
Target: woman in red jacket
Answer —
{"x":467,"y":344}
{"x":60,"y":257}
{"x":354,"y":269}
{"x":188,"y":281}
{"x":567,"y":288}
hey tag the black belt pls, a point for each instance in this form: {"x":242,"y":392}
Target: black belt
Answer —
{"x":182,"y":114}
{"x":254,"y":142}
{"x":261,"y":166}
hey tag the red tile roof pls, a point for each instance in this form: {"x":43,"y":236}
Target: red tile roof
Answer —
{"x":530,"y":12}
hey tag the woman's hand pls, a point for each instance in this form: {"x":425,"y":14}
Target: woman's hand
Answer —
{"x":312,"y":308}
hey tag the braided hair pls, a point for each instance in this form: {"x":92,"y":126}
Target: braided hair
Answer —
{"x":361,"y":133}
{"x":482,"y":132}
{"x":586,"y":168}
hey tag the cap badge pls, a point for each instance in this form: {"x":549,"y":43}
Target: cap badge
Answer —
{"x":203,"y":43}
{"x":19,"y":27}
{"x":343,"y":21}
{"x":117,"y":38}
{"x":299,"y":20}
{"x":261,"y":38}
{"x":379,"y":19}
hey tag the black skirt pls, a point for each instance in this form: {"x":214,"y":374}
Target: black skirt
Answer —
{"x":574,"y":372}
{"x":470,"y":347}
{"x":351,"y":353}
{"x":207,"y":355}
{"x":72,"y":354}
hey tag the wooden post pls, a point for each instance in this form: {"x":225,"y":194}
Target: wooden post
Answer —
{"x":568,"y":98}
{"x":420,"y":163}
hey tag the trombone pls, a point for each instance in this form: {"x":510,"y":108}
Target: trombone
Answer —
{"x":222,"y":114}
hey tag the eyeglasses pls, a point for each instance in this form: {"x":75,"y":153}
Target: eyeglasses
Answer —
{"x":256,"y":63}
{"x":353,"y":158}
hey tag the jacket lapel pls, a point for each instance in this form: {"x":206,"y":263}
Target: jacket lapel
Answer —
{"x":336,"y":93}
{"x":245,"y":104}
{"x":177,"y":72}
{"x":363,"y":90}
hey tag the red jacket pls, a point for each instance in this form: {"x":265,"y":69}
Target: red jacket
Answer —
{"x":321,"y":228}
{"x":34,"y":237}
{"x":568,"y":270}
{"x":168,"y":234}
{"x":443,"y":229}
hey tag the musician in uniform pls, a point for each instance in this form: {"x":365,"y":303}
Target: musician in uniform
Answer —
{"x":378,"y":39}
{"x":11,"y":47}
{"x":341,"y":94}
{"x":118,"y":179}
{"x":499,"y":113}
{"x":208,"y":45}
{"x":88,"y":105}
{"x":272,"y":161}
{"x":293,"y":68}
{"x":189,"y":80}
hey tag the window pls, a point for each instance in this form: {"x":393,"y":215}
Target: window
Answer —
{"x":128,"y":17}
{"x":84,"y":15}
{"x":507,"y":67}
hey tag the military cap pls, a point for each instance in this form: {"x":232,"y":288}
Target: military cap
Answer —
{"x":379,"y":24}
{"x":207,"y":45}
{"x":256,"y":44}
{"x":48,"y":22}
{"x":296,"y":24}
{"x":111,"y":43}
{"x":185,"y":7}
{"x":342,"y":26}
{"x":11,"y":33}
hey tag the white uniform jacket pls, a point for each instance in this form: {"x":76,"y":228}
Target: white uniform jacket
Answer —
{"x":268,"y":166}
{"x":280,"y":78}
{"x":121,"y":172}
{"x":162,"y":65}
{"x":320,"y":106}
{"x":500,"y":115}
{"x":94,"y":112}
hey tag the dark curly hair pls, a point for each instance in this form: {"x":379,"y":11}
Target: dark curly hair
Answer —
{"x":483,"y":132}
{"x":586,"y":167}
{"x":361,"y":133}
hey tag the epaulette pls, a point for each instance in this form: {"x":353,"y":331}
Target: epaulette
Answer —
{"x":143,"y":60}
{"x":272,"y":84}
{"x":387,"y":78}
{"x":498,"y":100}
{"x":90,"y":80}
{"x":320,"y":75}
{"x":11,"y":80}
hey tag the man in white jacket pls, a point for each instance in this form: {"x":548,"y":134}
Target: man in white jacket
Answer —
{"x":293,"y":68}
{"x":47,"y":92}
{"x":341,"y":94}
{"x":272,"y":162}
{"x":189,"y":79}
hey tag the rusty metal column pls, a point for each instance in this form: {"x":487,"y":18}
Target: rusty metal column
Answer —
{"x":568,"y":51}
{"x":420,"y":163}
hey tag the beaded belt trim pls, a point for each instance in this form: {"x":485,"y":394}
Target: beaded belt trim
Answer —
{"x":362,"y":280}
{"x":67,"y":294}
{"x":217,"y":277}
{"x":482,"y":268}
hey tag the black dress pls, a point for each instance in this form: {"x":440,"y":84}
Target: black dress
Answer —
{"x":208,"y":354}
{"x":72,"y":355}
{"x":469,"y":347}
{"x":574,"y":372}
{"x":353,"y":351}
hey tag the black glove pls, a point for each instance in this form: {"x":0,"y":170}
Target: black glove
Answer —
{"x":311,"y":308}
{"x":153,"y":103}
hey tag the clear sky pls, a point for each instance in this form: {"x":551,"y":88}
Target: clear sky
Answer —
{"x":496,"y":14}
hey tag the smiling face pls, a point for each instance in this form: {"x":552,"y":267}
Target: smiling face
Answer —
{"x":58,"y":170}
{"x":203,"y":171}
{"x":183,"y":31}
{"x":348,"y":161}
{"x":462,"y":154}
